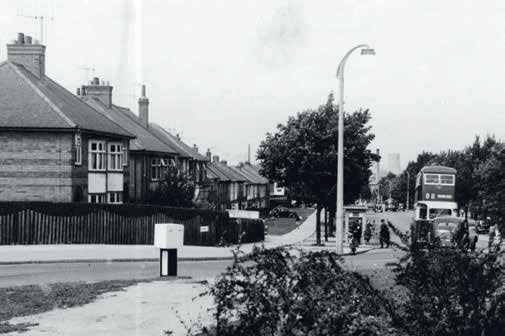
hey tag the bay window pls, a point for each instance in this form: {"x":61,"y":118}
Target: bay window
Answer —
{"x":115,"y":156}
{"x":97,"y":153}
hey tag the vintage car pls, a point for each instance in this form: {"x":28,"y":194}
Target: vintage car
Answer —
{"x":445,"y":231}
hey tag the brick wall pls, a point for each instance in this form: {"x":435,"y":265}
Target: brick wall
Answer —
{"x":36,"y":166}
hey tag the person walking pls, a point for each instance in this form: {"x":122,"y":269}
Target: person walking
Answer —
{"x":384,"y":234}
{"x":368,"y":233}
{"x":492,"y":233}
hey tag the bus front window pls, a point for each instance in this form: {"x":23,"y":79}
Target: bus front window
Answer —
{"x":434,"y":213}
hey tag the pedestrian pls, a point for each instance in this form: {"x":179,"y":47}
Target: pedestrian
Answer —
{"x":492,"y":233}
{"x":368,"y":233}
{"x":384,"y":234}
{"x":359,"y":233}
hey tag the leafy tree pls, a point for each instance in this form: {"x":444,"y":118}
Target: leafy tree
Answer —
{"x":174,"y":190}
{"x":302,"y":155}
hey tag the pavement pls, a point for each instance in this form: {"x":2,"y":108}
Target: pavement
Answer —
{"x":302,"y":236}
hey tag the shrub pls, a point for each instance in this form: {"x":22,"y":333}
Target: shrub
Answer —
{"x":273,"y":292}
{"x":450,"y":291}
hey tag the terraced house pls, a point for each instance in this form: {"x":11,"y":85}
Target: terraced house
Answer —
{"x":149,"y":157}
{"x":54,"y":146}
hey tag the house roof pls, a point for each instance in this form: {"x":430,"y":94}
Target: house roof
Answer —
{"x":214,"y":173}
{"x":254,"y":171}
{"x":28,"y":102}
{"x":145,"y":140}
{"x":183,"y":149}
{"x":229,"y":172}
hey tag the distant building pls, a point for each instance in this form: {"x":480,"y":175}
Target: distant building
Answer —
{"x":394,"y":163}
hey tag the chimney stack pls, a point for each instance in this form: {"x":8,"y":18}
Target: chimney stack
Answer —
{"x":215,"y":159}
{"x":195,"y":147}
{"x":31,"y":56}
{"x":144,"y":108}
{"x":100,"y":91}
{"x":208,"y":155}
{"x":224,"y":163}
{"x":78,"y":91}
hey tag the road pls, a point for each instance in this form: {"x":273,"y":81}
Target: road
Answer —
{"x":28,"y":274}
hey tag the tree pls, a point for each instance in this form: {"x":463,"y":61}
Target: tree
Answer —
{"x":174,"y":190}
{"x":302,"y":155}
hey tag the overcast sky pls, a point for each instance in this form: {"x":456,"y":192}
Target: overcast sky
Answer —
{"x":223,"y":73}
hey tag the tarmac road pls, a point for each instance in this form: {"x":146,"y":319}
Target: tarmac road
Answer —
{"x":27,"y":274}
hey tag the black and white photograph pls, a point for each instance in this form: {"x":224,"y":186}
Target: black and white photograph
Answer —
{"x":252,"y":167}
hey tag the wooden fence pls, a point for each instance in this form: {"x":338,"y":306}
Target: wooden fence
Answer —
{"x":83,"y":223}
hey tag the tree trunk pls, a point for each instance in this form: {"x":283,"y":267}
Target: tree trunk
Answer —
{"x":325,"y":224}
{"x":318,"y":225}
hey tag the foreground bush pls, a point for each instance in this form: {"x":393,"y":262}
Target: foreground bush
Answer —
{"x":272,"y":292}
{"x":452,"y":292}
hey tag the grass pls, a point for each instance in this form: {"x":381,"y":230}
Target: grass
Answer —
{"x":280,"y":226}
{"x":34,"y":299}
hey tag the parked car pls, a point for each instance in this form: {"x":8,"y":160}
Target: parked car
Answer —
{"x":283,"y":212}
{"x":401,"y":207}
{"x":379,"y":208}
{"x":483,"y":225}
{"x":445,"y":228}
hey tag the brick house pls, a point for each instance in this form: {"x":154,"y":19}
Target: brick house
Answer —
{"x":190,"y":161}
{"x":149,"y":157}
{"x":53,"y":146}
{"x":228,"y":183}
{"x":257,"y":196}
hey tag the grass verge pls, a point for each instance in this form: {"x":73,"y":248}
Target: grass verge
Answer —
{"x":280,"y":226}
{"x":35,"y":299}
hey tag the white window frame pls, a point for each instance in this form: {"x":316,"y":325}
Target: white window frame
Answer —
{"x":439,"y":183}
{"x":156,"y":169}
{"x":114,"y":156}
{"x":125,"y":155}
{"x":115,"y":197}
{"x":78,"y":155}
{"x":78,"y":150}
{"x":97,"y":198}
{"x":100,"y":152}
{"x":431,"y":183}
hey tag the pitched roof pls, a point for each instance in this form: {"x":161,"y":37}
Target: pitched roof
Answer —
{"x":251,"y":177}
{"x":438,"y":169}
{"x":183,"y":149}
{"x":214,"y":173}
{"x":229,"y":172}
{"x":254,"y":171}
{"x":29,"y":102}
{"x":145,"y":140}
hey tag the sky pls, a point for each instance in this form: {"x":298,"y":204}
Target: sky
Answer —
{"x":224,"y":73}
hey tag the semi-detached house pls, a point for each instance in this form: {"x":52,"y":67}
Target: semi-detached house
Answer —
{"x":149,"y":157}
{"x":54,"y":146}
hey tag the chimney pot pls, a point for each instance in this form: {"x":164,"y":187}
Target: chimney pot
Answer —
{"x":144,"y":108}
{"x":96,"y":81}
{"x":208,"y":155}
{"x":224,"y":162}
{"x":28,"y":39}
{"x":195,"y":147}
{"x":78,"y":91}
{"x":215,"y":158}
{"x":21,"y":38}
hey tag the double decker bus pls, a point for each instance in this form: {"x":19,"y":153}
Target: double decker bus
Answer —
{"x":434,"y":193}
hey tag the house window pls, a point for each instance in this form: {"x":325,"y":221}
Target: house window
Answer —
{"x":78,"y":155}
{"x":96,"y":198}
{"x":125,"y":156}
{"x":155,"y":169}
{"x":115,"y":197}
{"x":97,"y":155}
{"x":115,"y":155}
{"x":78,"y":150}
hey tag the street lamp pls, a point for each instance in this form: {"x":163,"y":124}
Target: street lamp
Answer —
{"x":408,"y":186}
{"x":339,"y":216}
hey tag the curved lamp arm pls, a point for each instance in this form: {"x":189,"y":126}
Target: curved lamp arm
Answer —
{"x":341,"y":65}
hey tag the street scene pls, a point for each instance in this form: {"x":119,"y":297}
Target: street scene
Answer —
{"x":240,"y":168}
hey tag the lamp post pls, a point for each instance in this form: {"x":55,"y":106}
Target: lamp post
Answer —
{"x":408,"y":185}
{"x":339,"y":216}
